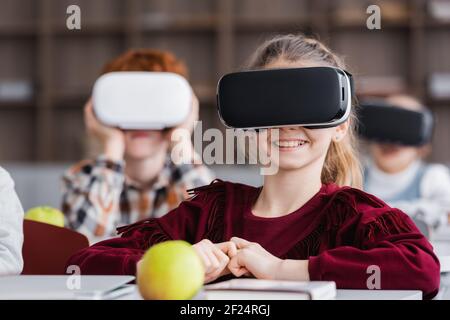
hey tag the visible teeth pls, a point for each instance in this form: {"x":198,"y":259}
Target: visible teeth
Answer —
{"x":290,"y":143}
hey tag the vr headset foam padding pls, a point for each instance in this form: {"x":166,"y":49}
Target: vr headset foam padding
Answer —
{"x":142,"y":100}
{"x":316,"y":97}
{"x":384,"y":123}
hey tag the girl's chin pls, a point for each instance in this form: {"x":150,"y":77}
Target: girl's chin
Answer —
{"x":140,"y":154}
{"x":142,"y":147}
{"x":387,"y":156}
{"x":289,"y":168}
{"x":290,"y":164}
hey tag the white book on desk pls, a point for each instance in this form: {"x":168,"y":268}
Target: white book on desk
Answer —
{"x":256,"y":289}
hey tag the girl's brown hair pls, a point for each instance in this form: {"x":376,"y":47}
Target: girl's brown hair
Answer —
{"x":342,"y":165}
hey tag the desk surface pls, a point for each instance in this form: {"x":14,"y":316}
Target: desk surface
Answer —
{"x":342,"y":295}
{"x":378,"y":295}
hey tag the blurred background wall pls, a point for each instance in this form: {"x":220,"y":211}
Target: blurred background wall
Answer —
{"x":47,"y":71}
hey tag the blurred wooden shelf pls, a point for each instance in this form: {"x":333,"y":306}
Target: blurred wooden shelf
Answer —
{"x":163,"y":23}
{"x":437,"y":24}
{"x":70,"y":100}
{"x":438,"y":102}
{"x":361,"y":26}
{"x":22,"y":30}
{"x":16,"y":104}
{"x":90,"y":29}
{"x":276,"y":24}
{"x":212,"y":37}
{"x":206,"y":93}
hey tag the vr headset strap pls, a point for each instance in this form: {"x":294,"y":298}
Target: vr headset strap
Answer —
{"x":352,"y":83}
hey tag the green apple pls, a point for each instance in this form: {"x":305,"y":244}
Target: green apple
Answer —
{"x":170,"y":270}
{"x":46,"y":214}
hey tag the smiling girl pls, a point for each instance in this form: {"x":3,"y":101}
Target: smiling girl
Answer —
{"x":304,"y":223}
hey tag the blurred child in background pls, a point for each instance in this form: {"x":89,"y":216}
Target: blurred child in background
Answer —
{"x":11,"y":222}
{"x":134,"y":177}
{"x":398,"y":175}
{"x":305,"y":222}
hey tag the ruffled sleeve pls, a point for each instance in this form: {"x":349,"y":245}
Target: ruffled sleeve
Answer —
{"x":367,"y":236}
{"x":193,"y":220}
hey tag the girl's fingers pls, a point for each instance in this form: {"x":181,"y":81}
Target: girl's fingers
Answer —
{"x":223,"y":262}
{"x":88,"y":115}
{"x":228,"y":247}
{"x":88,"y":109}
{"x":204,"y":258}
{"x":213,"y":259}
{"x":223,"y":259}
{"x":89,"y":106}
{"x":222,"y":256}
{"x":240,"y":243}
{"x":236,"y":268}
{"x":219,"y":261}
{"x":239,"y":272}
{"x":207,"y":262}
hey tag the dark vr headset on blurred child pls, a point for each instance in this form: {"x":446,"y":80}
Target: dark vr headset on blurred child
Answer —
{"x":385,"y":123}
{"x":142,"y":100}
{"x":317,"y":97}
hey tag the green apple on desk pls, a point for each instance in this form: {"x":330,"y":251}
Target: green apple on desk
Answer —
{"x":47,"y":215}
{"x":170,"y":270}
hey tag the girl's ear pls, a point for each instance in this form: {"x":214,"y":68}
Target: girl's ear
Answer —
{"x":340,"y":131}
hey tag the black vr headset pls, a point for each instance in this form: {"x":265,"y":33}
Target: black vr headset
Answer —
{"x":316,"y":97}
{"x":385,"y":123}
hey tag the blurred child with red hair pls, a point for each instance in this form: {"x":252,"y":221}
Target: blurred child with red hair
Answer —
{"x":134,"y":177}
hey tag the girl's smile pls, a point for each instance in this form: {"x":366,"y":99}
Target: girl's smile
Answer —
{"x":291,"y":144}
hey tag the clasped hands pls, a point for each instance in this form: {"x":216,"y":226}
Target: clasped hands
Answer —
{"x":237,"y":256}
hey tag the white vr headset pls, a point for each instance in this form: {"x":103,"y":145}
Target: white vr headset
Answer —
{"x":142,"y":100}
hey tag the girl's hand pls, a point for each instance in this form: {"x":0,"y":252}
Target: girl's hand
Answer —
{"x":252,"y":257}
{"x":112,"y":139}
{"x":215,"y":257}
{"x":180,"y":137}
{"x":193,"y":116}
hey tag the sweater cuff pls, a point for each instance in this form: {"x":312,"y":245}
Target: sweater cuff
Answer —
{"x":315,"y":268}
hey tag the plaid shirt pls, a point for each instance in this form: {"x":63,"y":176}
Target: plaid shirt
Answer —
{"x":98,"y":197}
